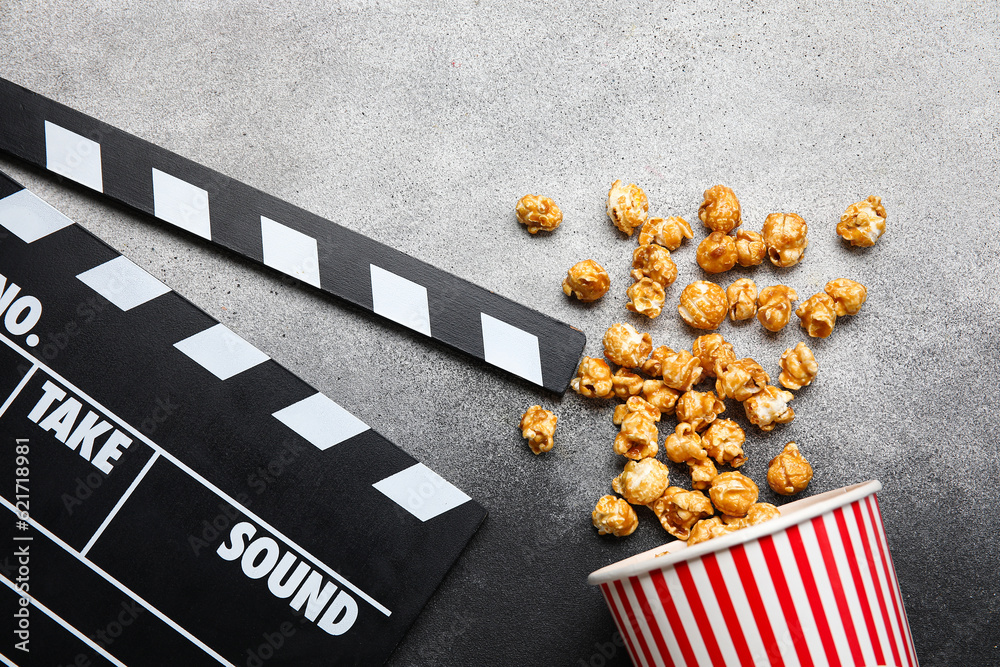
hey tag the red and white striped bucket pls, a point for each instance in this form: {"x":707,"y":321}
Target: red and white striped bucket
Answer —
{"x":813,"y":587}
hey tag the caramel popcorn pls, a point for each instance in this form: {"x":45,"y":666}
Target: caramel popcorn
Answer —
{"x":680,"y":370}
{"x":750,"y":248}
{"x":638,"y":436}
{"x":785,"y":237}
{"x":642,"y":481}
{"x":789,"y":472}
{"x":848,"y":296}
{"x":741,"y":379}
{"x":669,"y":233}
{"x":538,"y":426}
{"x":614,"y":516}
{"x":769,"y":408}
{"x":711,"y":350}
{"x":626,"y":383}
{"x":679,"y":509}
{"x":593,"y":379}
{"x":586,"y":280}
{"x":774,"y":306}
{"x":707,"y":529}
{"x":717,"y":253}
{"x":818,"y":315}
{"x":723,"y":441}
{"x":699,"y":408}
{"x":628,"y":206}
{"x":863,"y":223}
{"x":684,"y":445}
{"x":703,"y":471}
{"x":733,"y":493}
{"x":758,"y":513}
{"x":625,"y":346}
{"x":742,"y":297}
{"x":538,"y":213}
{"x":653,"y":261}
{"x":720,"y":211}
{"x":703,"y":305}
{"x":646,"y":297}
{"x":660,"y":396}
{"x":798,"y":367}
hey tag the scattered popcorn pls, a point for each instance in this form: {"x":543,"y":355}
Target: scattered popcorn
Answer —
{"x":586,"y":280}
{"x":678,"y":510}
{"x":750,"y":248}
{"x":538,"y":426}
{"x":699,"y":408}
{"x":614,"y":516}
{"x":593,"y":379}
{"x":716,"y":253}
{"x":741,"y":379}
{"x":703,"y":471}
{"x":703,"y":305}
{"x":669,"y":232}
{"x":646,"y":297}
{"x":720,"y":211}
{"x":653,"y":262}
{"x":798,"y":367}
{"x":785,"y":237}
{"x":818,"y":315}
{"x":789,"y":472}
{"x":660,"y":396}
{"x":625,"y":346}
{"x":712,"y":350}
{"x":774,"y":306}
{"x":626,"y":383}
{"x":680,"y":370}
{"x":742,"y":297}
{"x":863,"y":223}
{"x":628,"y":206}
{"x":638,"y":436}
{"x":848,"y":296}
{"x":733,"y":493}
{"x":642,"y":481}
{"x":707,"y":529}
{"x":758,"y":513}
{"x":769,"y":408}
{"x":723,"y":441}
{"x":538,"y":213}
{"x":684,"y":445}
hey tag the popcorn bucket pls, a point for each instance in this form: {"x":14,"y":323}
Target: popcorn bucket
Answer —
{"x":815,"y":586}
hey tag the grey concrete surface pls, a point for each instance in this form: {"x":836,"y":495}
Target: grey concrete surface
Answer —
{"x":421,"y":126}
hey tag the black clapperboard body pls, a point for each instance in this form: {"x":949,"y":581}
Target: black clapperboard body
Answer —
{"x":190,"y":501}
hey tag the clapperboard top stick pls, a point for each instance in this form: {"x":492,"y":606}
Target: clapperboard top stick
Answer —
{"x":181,"y":477}
{"x":289,"y":239}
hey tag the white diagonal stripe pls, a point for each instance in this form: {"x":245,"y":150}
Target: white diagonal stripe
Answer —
{"x":321,"y":421}
{"x":511,"y":348}
{"x":123,"y":283}
{"x":74,"y":156}
{"x":400,"y":300}
{"x":221,"y":352}
{"x":181,"y":203}
{"x":421,"y":492}
{"x":29,"y":218}
{"x":290,"y":251}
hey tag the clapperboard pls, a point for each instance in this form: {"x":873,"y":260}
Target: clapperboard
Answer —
{"x":189,"y":500}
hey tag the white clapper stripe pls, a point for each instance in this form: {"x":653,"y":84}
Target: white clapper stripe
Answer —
{"x":118,"y":505}
{"x":182,"y":204}
{"x":854,"y":534}
{"x":321,"y":421}
{"x":5,"y":660}
{"x":29,"y":218}
{"x":221,"y":352}
{"x":204,"y":482}
{"x":825,"y":591}
{"x":769,"y":596}
{"x":885,"y":578}
{"x":738,"y":595}
{"x":712,"y":609}
{"x":421,"y":492}
{"x":119,"y":585}
{"x":58,"y":619}
{"x":800,"y":599}
{"x":510,"y":348}
{"x":660,"y":614}
{"x":123,"y":283}
{"x":74,"y":156}
{"x":857,"y":619}
{"x":400,"y":300}
{"x":290,"y":251}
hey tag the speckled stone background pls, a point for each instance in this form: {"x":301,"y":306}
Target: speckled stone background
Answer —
{"x":421,"y":127}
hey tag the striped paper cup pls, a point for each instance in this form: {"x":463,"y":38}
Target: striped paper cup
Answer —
{"x":815,"y":586}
